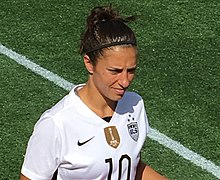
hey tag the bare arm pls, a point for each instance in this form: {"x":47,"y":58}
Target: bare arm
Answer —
{"x":145,"y":172}
{"x":22,"y":177}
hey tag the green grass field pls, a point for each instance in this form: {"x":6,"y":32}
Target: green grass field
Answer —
{"x":178,"y":74}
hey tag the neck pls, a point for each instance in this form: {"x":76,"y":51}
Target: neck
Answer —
{"x":99,"y":104}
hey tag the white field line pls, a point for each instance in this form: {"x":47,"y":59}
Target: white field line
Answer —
{"x":22,"y":60}
{"x":154,"y":134}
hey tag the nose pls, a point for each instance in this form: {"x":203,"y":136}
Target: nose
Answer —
{"x":124,"y":80}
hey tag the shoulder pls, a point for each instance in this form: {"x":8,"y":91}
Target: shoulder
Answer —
{"x":62,"y":110}
{"x":134,"y":95}
{"x":64,"y":105}
{"x":131,"y":98}
{"x":130,"y":102}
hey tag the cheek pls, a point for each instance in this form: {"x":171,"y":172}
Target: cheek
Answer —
{"x":131,"y":77}
{"x":102,"y":79}
{"x":108,"y":78}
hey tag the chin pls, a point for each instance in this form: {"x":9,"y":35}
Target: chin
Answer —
{"x":114,"y":97}
{"x":117,"y":97}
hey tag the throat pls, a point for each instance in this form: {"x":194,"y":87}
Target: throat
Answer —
{"x":101,"y":106}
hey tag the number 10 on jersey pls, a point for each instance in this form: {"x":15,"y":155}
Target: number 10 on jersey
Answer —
{"x":124,"y":157}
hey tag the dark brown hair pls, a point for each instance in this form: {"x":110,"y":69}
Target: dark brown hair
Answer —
{"x":104,"y":29}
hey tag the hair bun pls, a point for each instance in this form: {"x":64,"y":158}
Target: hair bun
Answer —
{"x":100,"y":14}
{"x":105,"y":28}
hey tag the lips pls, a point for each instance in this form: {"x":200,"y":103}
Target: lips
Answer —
{"x":120,"y":91}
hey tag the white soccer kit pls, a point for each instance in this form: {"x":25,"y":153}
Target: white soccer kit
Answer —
{"x":72,"y":138}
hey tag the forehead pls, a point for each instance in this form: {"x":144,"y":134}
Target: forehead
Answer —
{"x":119,"y":56}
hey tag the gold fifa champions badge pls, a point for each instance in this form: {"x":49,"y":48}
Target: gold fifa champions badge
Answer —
{"x":112,"y":136}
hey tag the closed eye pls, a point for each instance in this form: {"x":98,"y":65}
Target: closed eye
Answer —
{"x":131,"y":70}
{"x":115,"y":71}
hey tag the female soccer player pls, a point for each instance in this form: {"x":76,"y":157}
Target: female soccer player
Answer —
{"x":98,"y":129}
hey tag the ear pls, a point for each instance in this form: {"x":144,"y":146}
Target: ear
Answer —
{"x":88,"y":64}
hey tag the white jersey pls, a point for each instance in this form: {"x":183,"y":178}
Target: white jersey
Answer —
{"x":72,"y":138}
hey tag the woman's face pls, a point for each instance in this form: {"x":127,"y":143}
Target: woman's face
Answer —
{"x":114,"y":71}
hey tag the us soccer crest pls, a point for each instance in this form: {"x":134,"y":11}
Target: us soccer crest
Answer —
{"x":133,"y":130}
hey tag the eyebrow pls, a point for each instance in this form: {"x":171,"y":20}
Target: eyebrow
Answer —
{"x":118,"y":68}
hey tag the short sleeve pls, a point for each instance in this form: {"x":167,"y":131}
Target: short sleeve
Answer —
{"x":43,"y":150}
